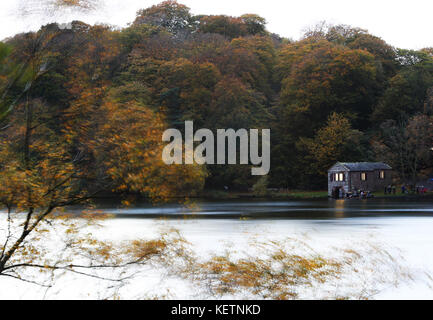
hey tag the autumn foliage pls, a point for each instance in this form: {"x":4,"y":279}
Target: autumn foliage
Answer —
{"x":83,"y":109}
{"x":220,"y":71}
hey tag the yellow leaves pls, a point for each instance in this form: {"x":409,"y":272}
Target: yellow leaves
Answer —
{"x":129,"y":144}
{"x":126,"y":203}
{"x":277,"y":274}
{"x":70,"y":231}
{"x":334,"y":142}
{"x":104,"y":250}
{"x":143,"y":250}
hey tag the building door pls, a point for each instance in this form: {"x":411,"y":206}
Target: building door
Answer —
{"x":336,"y":192}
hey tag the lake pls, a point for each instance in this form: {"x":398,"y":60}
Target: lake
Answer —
{"x":403,"y":227}
{"x":255,"y":209}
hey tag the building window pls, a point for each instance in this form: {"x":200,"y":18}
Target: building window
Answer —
{"x":382,"y":175}
{"x":339,"y":177}
{"x":363,"y":176}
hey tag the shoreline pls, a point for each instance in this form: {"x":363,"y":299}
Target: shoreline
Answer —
{"x":298,"y":195}
{"x":217,"y":195}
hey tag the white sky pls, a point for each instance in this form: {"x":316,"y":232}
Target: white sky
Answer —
{"x":401,"y":23}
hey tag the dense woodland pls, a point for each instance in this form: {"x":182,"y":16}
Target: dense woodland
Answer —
{"x":84,"y":107}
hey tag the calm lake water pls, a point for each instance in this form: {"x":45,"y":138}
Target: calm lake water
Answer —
{"x":284,"y":210}
{"x":403,"y":227}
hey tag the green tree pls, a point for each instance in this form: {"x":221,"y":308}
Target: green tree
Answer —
{"x":174,"y":17}
{"x":325,"y":78}
{"x":407,"y":146}
{"x":407,"y":90}
{"x":337,"y":141}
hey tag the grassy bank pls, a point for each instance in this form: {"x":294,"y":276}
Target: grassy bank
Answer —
{"x":400,"y":195}
{"x":270,"y":195}
{"x":290,"y":195}
{"x":298,"y":195}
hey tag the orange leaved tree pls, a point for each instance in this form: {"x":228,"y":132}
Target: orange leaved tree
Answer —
{"x":53,"y":158}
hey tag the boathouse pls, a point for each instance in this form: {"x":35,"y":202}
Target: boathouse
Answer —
{"x":346,"y":178}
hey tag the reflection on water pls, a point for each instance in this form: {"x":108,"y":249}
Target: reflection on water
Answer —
{"x":339,"y":208}
{"x":327,"y":209}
